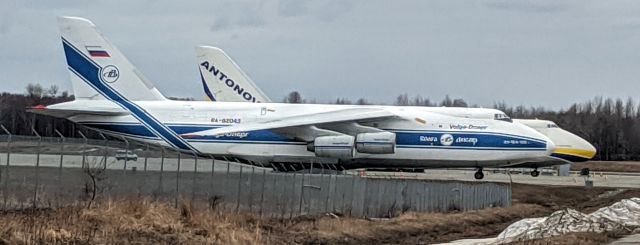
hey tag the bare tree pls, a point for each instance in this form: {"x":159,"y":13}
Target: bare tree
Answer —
{"x":402,"y":100}
{"x":362,"y":101}
{"x":446,"y":101}
{"x":343,"y":101}
{"x":459,"y":103}
{"x":35,"y":91}
{"x":293,"y":97}
{"x":53,"y":90}
{"x":96,"y":173}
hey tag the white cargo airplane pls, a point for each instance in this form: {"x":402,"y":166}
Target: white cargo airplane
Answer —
{"x":112,"y":96}
{"x":214,"y":64}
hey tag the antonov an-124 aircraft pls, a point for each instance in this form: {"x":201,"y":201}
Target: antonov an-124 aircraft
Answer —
{"x":112,"y":96}
{"x":214,"y":64}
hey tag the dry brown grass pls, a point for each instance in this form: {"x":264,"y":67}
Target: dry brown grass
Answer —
{"x":409,"y":228}
{"x":128,"y":221}
{"x":143,"y":221}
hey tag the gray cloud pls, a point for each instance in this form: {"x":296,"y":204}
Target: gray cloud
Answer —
{"x":324,"y":10}
{"x":330,"y":10}
{"x":7,"y":17}
{"x":291,"y":8}
{"x":528,"y":6}
{"x":372,"y":49}
{"x":238,"y":15}
{"x":221,"y":24}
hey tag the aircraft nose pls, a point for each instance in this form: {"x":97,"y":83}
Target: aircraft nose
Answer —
{"x":574,"y":148}
{"x":591,"y":150}
{"x":588,"y":150}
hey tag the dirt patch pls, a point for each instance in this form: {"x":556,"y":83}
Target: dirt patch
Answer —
{"x":607,"y":166}
{"x":419,"y":228}
{"x":579,"y":198}
{"x":409,"y":228}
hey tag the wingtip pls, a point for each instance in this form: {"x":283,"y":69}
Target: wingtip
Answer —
{"x":38,"y":107}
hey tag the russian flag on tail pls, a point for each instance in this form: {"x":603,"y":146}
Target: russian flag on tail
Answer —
{"x":97,"y":51}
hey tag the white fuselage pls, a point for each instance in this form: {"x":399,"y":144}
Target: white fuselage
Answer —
{"x":425,"y":137}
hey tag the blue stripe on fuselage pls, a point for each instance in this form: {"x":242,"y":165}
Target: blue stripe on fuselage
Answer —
{"x":89,"y":71}
{"x":472,"y":132}
{"x":486,"y":141}
{"x":465,"y":139}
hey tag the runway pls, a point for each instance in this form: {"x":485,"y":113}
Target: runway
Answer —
{"x":599,"y":179}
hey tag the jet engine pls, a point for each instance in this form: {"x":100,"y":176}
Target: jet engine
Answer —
{"x":376,"y":143}
{"x":341,"y":146}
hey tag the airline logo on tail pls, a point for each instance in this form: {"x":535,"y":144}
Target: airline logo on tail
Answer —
{"x":110,"y":74}
{"x":246,"y":95}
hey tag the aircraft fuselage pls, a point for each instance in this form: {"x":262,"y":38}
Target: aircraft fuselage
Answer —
{"x":425,"y":137}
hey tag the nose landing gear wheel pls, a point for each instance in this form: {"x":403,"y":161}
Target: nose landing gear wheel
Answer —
{"x":535,"y":173}
{"x":479,"y":174}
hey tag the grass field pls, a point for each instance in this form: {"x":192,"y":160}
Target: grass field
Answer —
{"x":140,"y":220}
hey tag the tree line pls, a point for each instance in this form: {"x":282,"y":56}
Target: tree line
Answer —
{"x":14,"y":117}
{"x":611,"y":125}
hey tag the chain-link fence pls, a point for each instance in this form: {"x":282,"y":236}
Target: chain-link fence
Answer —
{"x":53,"y":172}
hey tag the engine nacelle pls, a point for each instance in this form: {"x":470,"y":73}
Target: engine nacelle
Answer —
{"x":341,"y":146}
{"x":376,"y":143}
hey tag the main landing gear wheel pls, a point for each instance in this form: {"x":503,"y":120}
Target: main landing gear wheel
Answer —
{"x":479,"y":174}
{"x":535,"y":173}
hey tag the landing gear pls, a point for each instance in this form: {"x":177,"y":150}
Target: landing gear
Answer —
{"x":535,"y":173}
{"x":479,"y":174}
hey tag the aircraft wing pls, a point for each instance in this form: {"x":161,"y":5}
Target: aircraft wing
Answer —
{"x":306,"y":120}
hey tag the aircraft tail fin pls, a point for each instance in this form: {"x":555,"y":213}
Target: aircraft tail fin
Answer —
{"x":97,"y":68}
{"x":223,"y":80}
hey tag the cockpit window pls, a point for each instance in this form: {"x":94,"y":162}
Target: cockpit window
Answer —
{"x":552,"y":125}
{"x":502,"y":117}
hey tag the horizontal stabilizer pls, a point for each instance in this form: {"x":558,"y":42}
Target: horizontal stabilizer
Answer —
{"x":69,"y":112}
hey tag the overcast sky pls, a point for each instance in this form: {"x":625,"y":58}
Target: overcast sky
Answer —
{"x":549,"y":53}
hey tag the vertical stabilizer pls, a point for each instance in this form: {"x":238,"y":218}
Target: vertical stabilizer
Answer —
{"x":223,"y":80}
{"x":97,"y":67}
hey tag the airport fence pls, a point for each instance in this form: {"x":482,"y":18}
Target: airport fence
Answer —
{"x":54,"y":172}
